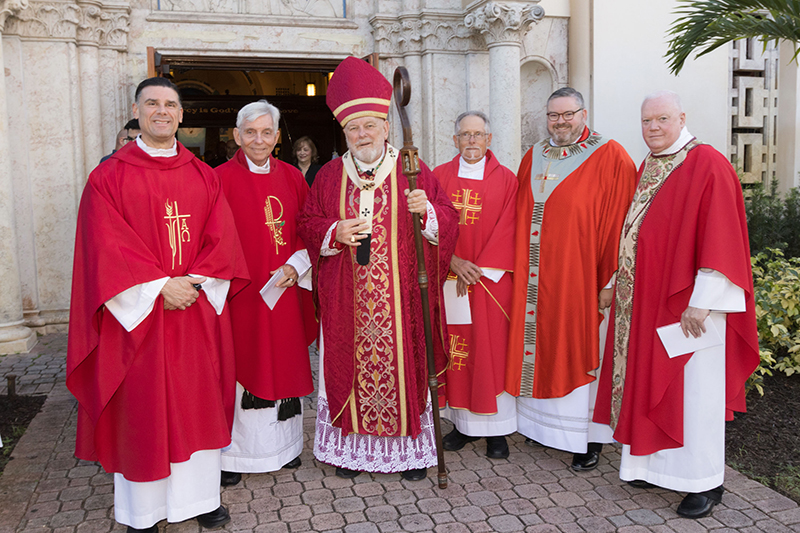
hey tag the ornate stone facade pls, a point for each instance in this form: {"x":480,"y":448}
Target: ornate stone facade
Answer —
{"x":503,"y":22}
{"x":89,"y":23}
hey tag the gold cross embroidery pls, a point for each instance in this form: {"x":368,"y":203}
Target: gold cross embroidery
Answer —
{"x":546,"y":176}
{"x":178,"y":230}
{"x":468,"y":203}
{"x":275,"y":225}
{"x":459,"y":351}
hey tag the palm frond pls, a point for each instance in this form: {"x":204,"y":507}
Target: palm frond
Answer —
{"x":705,"y":25}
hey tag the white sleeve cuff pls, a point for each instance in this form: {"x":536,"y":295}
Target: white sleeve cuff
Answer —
{"x":714,"y":291}
{"x":610,"y":283}
{"x":431,"y":231}
{"x":326,"y":251}
{"x":302,"y":263}
{"x":133,"y":305}
{"x":216,"y":291}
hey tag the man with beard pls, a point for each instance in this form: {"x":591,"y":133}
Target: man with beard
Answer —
{"x":273,"y":370}
{"x":684,"y":260}
{"x":574,"y":189}
{"x":150,"y":356}
{"x":484,"y":192}
{"x":374,"y":411}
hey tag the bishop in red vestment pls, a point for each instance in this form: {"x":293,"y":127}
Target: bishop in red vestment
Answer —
{"x":484,"y":192}
{"x":150,"y":358}
{"x":373,"y":412}
{"x":684,"y":259}
{"x":574,"y":189}
{"x":273,"y":369}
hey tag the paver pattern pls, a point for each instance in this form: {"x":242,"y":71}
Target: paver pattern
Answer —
{"x":45,"y":489}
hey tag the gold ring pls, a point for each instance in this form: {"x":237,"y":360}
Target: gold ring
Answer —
{"x":352,"y":238}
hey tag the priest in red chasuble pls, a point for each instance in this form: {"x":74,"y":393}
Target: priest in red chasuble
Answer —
{"x":479,"y":290}
{"x":150,"y":357}
{"x":374,"y":410}
{"x":684,"y":264}
{"x":574,"y":190}
{"x":273,"y":369}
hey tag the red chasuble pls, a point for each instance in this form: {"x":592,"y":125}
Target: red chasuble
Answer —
{"x":165,"y":390}
{"x":695,"y":220}
{"x":476,"y":373}
{"x":566,"y":251}
{"x":271,"y":345}
{"x":371,"y":316}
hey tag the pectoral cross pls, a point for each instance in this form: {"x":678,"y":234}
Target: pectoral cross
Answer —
{"x":275,"y":225}
{"x":468,"y":203}
{"x":459,"y":351}
{"x":178,"y":230}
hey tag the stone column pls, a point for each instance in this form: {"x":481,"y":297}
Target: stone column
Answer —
{"x":14,"y":337}
{"x":503,"y":24}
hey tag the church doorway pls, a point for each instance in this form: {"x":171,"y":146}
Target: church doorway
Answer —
{"x":214,"y":88}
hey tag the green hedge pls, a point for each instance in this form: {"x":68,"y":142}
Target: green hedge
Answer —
{"x":776,"y":282}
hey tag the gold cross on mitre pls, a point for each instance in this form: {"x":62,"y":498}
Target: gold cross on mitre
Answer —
{"x":274,"y":224}
{"x":459,"y":351}
{"x":468,"y":203}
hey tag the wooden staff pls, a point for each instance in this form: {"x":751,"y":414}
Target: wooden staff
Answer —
{"x":410,"y":158}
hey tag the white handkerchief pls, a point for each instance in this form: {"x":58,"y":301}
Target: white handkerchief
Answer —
{"x":269,"y":292}
{"x":457,"y":308}
{"x":677,"y":344}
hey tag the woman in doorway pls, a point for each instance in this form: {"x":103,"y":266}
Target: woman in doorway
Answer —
{"x":306,"y":158}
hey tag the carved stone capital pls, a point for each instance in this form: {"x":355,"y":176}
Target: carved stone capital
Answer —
{"x":85,"y":23}
{"x":417,"y":32}
{"x":503,"y":22}
{"x":8,"y":8}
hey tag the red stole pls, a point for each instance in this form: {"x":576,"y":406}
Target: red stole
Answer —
{"x":371,"y":316}
{"x":696,"y":220}
{"x":271,"y":345}
{"x":476,"y":373}
{"x":578,"y":255}
{"x":157,"y":394}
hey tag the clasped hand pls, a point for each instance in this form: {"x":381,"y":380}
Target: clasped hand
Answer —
{"x":179,"y":293}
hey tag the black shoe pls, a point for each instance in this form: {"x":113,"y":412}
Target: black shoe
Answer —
{"x":415,"y":474}
{"x":151,"y":529}
{"x":583,"y":462}
{"x":535,"y":444}
{"x":216,"y":518}
{"x":294,"y":463}
{"x":496,"y":447}
{"x":641,"y":484}
{"x":699,"y":504}
{"x":455,"y":440}
{"x":345,"y":473}
{"x":229,"y":478}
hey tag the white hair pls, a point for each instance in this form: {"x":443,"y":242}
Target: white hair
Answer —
{"x":255,"y":110}
{"x":672,"y":96}
{"x":479,"y":114}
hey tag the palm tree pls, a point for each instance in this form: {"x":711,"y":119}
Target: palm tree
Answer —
{"x":705,"y":25}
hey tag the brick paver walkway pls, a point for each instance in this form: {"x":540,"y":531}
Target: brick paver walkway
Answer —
{"x":45,"y":489}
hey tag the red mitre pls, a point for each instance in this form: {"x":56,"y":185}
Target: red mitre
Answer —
{"x":357,"y":90}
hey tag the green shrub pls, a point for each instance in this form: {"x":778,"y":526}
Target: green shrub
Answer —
{"x":776,"y":282}
{"x":773,"y":221}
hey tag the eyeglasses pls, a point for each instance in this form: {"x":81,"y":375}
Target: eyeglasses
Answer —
{"x":568,"y":115}
{"x":467,"y":136}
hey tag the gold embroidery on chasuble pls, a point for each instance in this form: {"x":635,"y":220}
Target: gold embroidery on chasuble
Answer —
{"x":274,"y":223}
{"x":177,"y":230}
{"x":655,"y":173}
{"x":469,"y":206}
{"x":459,"y":351}
{"x":378,"y":401}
